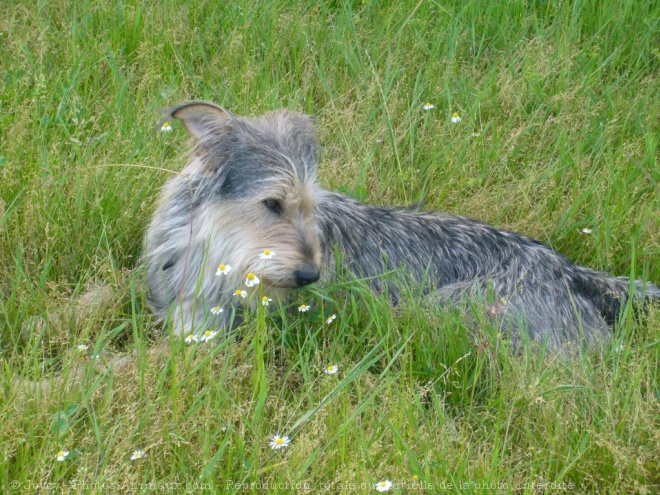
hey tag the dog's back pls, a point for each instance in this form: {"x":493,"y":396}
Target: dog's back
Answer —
{"x":529,"y":285}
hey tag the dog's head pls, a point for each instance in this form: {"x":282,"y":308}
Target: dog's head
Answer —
{"x":253,"y":187}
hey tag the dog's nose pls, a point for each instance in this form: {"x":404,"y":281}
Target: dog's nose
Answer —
{"x":307,"y":276}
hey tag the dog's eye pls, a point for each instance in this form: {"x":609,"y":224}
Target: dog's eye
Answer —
{"x":274,"y":205}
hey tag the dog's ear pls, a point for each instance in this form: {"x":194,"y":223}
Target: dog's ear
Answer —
{"x":199,"y":117}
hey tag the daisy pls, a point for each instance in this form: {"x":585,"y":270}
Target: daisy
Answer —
{"x":216,"y":310}
{"x":331,"y":369}
{"x":383,"y":486}
{"x":191,"y":338}
{"x":587,"y":231}
{"x":83,"y":347}
{"x":331,"y":319}
{"x":303,"y":308}
{"x":223,"y":269}
{"x":208,"y":335}
{"x":251,"y":280}
{"x":240,"y":293}
{"x":455,"y":119}
{"x":428,"y":107}
{"x":265,"y":300}
{"x":267,"y":254}
{"x":166,"y":127}
{"x":62,"y":455}
{"x":279,"y":442}
{"x":137,"y":454}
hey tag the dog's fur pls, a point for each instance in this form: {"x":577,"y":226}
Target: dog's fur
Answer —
{"x":251,"y":185}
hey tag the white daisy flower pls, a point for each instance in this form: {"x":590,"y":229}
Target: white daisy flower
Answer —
{"x":191,"y":338}
{"x":303,"y":308}
{"x":166,"y":127}
{"x":267,"y":254}
{"x":279,"y":442}
{"x":62,"y":455}
{"x":455,"y":119}
{"x":83,"y":347}
{"x":222,"y":269}
{"x":265,"y":300}
{"x":587,"y":231}
{"x":331,"y":369}
{"x":208,"y":335}
{"x":216,"y":310}
{"x":331,"y":319}
{"x":383,"y":486}
{"x":428,"y":106}
{"x":251,"y":280}
{"x":240,"y":293}
{"x":137,"y":454}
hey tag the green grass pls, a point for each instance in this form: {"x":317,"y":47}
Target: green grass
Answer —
{"x":560,"y":107}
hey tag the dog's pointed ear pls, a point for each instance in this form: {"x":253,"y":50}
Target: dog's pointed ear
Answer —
{"x":199,"y":117}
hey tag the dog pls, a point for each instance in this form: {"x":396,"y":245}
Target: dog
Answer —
{"x":247,"y":221}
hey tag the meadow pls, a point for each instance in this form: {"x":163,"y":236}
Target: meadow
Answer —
{"x":559,"y":106}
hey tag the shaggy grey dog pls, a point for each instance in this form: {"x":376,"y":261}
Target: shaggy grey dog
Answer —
{"x":247,"y":221}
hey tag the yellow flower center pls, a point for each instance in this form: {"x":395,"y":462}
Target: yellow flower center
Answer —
{"x":455,"y":114}
{"x":250,"y":277}
{"x":415,"y":477}
{"x":331,"y":368}
{"x":267,"y":252}
{"x":279,"y":441}
{"x":264,"y":299}
{"x":207,"y":333}
{"x":222,"y":267}
{"x":60,"y":454}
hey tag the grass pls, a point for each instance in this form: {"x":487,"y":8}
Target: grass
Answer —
{"x":560,"y":108}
